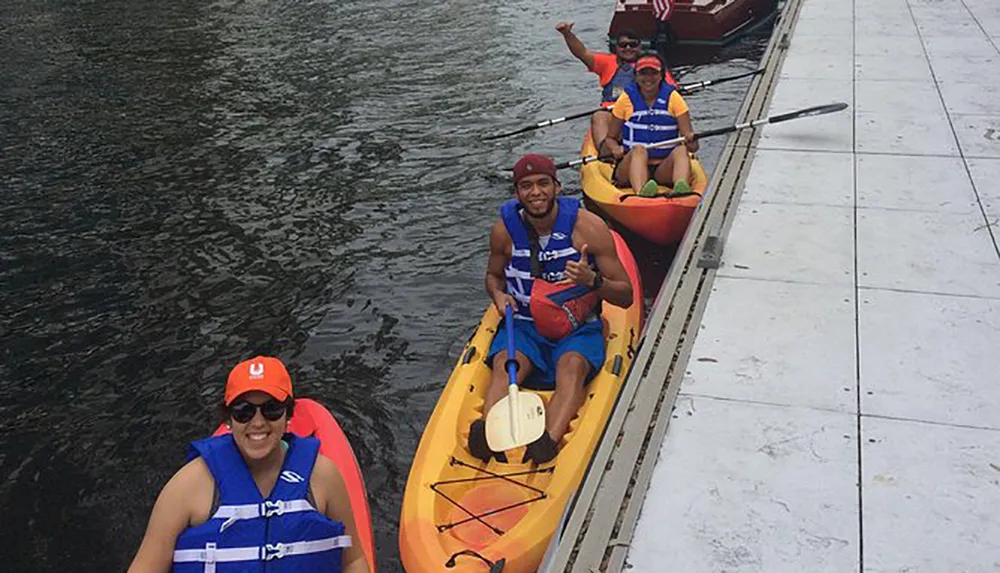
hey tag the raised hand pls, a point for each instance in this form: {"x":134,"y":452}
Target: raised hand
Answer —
{"x":580,"y":271}
{"x":564,"y":27}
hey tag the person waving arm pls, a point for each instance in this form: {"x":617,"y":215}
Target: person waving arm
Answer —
{"x":574,"y":44}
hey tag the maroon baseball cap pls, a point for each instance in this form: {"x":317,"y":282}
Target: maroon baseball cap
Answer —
{"x":532,"y":164}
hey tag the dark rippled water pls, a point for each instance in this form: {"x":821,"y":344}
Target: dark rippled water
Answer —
{"x":185,"y":184}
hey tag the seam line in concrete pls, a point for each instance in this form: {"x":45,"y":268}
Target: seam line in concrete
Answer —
{"x":928,"y":293}
{"x":857,"y":303}
{"x":752,"y":402}
{"x":951,"y":123}
{"x":932,"y":422}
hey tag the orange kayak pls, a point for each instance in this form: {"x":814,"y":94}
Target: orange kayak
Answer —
{"x":311,"y":419}
{"x":658,"y":219}
{"x":463,"y":515}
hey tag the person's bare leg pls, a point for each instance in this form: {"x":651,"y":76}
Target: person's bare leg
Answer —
{"x":676,"y":167}
{"x":478,"y":445}
{"x":500,"y":379}
{"x":663,"y":171}
{"x":571,"y":371}
{"x":633,"y":168}
{"x":599,"y":123}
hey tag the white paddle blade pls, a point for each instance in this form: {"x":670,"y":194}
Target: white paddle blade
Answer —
{"x":507,"y":429}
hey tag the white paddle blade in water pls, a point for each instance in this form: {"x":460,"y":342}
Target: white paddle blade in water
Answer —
{"x":516,"y":420}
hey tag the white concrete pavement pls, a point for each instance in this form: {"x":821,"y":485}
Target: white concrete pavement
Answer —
{"x":841,"y":410}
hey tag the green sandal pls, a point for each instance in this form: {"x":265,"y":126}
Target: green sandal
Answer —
{"x":681,"y":188}
{"x":649,"y":189}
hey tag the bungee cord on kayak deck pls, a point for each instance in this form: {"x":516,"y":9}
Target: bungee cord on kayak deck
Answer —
{"x":490,"y":476}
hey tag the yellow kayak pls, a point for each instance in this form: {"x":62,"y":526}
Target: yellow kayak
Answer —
{"x":657,"y":219}
{"x":463,"y":515}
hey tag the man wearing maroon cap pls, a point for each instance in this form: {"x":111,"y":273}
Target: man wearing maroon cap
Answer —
{"x":553,"y":263}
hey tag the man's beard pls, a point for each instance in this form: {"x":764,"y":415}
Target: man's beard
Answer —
{"x":551,"y":206}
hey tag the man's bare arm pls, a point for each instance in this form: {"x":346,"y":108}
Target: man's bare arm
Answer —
{"x":574,"y":44}
{"x":592,"y":232}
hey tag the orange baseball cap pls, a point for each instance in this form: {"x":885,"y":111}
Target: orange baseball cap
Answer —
{"x":648,"y":62}
{"x":262,"y":373}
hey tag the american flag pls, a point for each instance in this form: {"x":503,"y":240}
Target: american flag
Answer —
{"x":662,"y":9}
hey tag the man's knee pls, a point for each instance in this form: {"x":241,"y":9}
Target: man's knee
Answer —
{"x":500,"y":360}
{"x":572,"y":369}
{"x":599,"y":123}
{"x":500,"y":364}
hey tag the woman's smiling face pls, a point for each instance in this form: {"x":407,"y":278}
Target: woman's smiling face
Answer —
{"x":258,"y":435}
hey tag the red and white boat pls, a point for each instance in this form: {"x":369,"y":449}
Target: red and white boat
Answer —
{"x":695,"y":21}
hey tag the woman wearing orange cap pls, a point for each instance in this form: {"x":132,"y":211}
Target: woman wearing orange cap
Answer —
{"x":255,"y":495}
{"x":651,"y":111}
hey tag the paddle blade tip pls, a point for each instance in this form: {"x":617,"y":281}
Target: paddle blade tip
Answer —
{"x":501,"y":435}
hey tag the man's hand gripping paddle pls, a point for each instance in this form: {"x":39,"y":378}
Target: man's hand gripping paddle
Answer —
{"x":519,"y":417}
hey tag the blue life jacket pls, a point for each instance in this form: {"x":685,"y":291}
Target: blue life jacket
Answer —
{"x":624,"y":76}
{"x":247,"y":533}
{"x":649,"y":125}
{"x":552,"y":259}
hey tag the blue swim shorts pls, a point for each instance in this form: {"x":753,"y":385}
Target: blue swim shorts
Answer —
{"x":588,"y":340}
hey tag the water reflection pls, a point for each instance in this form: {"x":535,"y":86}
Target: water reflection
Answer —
{"x":188,"y":184}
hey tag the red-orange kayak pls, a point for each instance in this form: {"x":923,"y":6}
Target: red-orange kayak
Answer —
{"x":311,"y":419}
{"x":658,"y":219}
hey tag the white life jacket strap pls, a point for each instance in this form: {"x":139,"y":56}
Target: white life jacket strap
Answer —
{"x":630,"y":143}
{"x":234,"y":513}
{"x":650,"y":127}
{"x":212,"y":555}
{"x":513,"y":273}
{"x":557,"y":254}
{"x":279,"y":550}
{"x":649,"y":112}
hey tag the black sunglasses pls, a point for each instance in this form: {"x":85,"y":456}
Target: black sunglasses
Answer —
{"x":628,"y":44}
{"x":244,"y":411}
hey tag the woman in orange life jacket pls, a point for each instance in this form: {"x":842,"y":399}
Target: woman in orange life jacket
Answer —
{"x":614,"y":71}
{"x":651,"y":111}
{"x":253,"y":496}
{"x":553,"y":263}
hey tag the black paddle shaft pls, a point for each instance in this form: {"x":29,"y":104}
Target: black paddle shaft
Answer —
{"x":688,"y":89}
{"x":809,"y":111}
{"x":542,"y":124}
{"x":684,"y":89}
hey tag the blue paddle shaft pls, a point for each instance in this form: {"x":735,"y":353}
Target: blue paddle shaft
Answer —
{"x":511,"y":352}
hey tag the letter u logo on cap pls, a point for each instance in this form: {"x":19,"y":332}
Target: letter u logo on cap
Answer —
{"x":257,"y":369}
